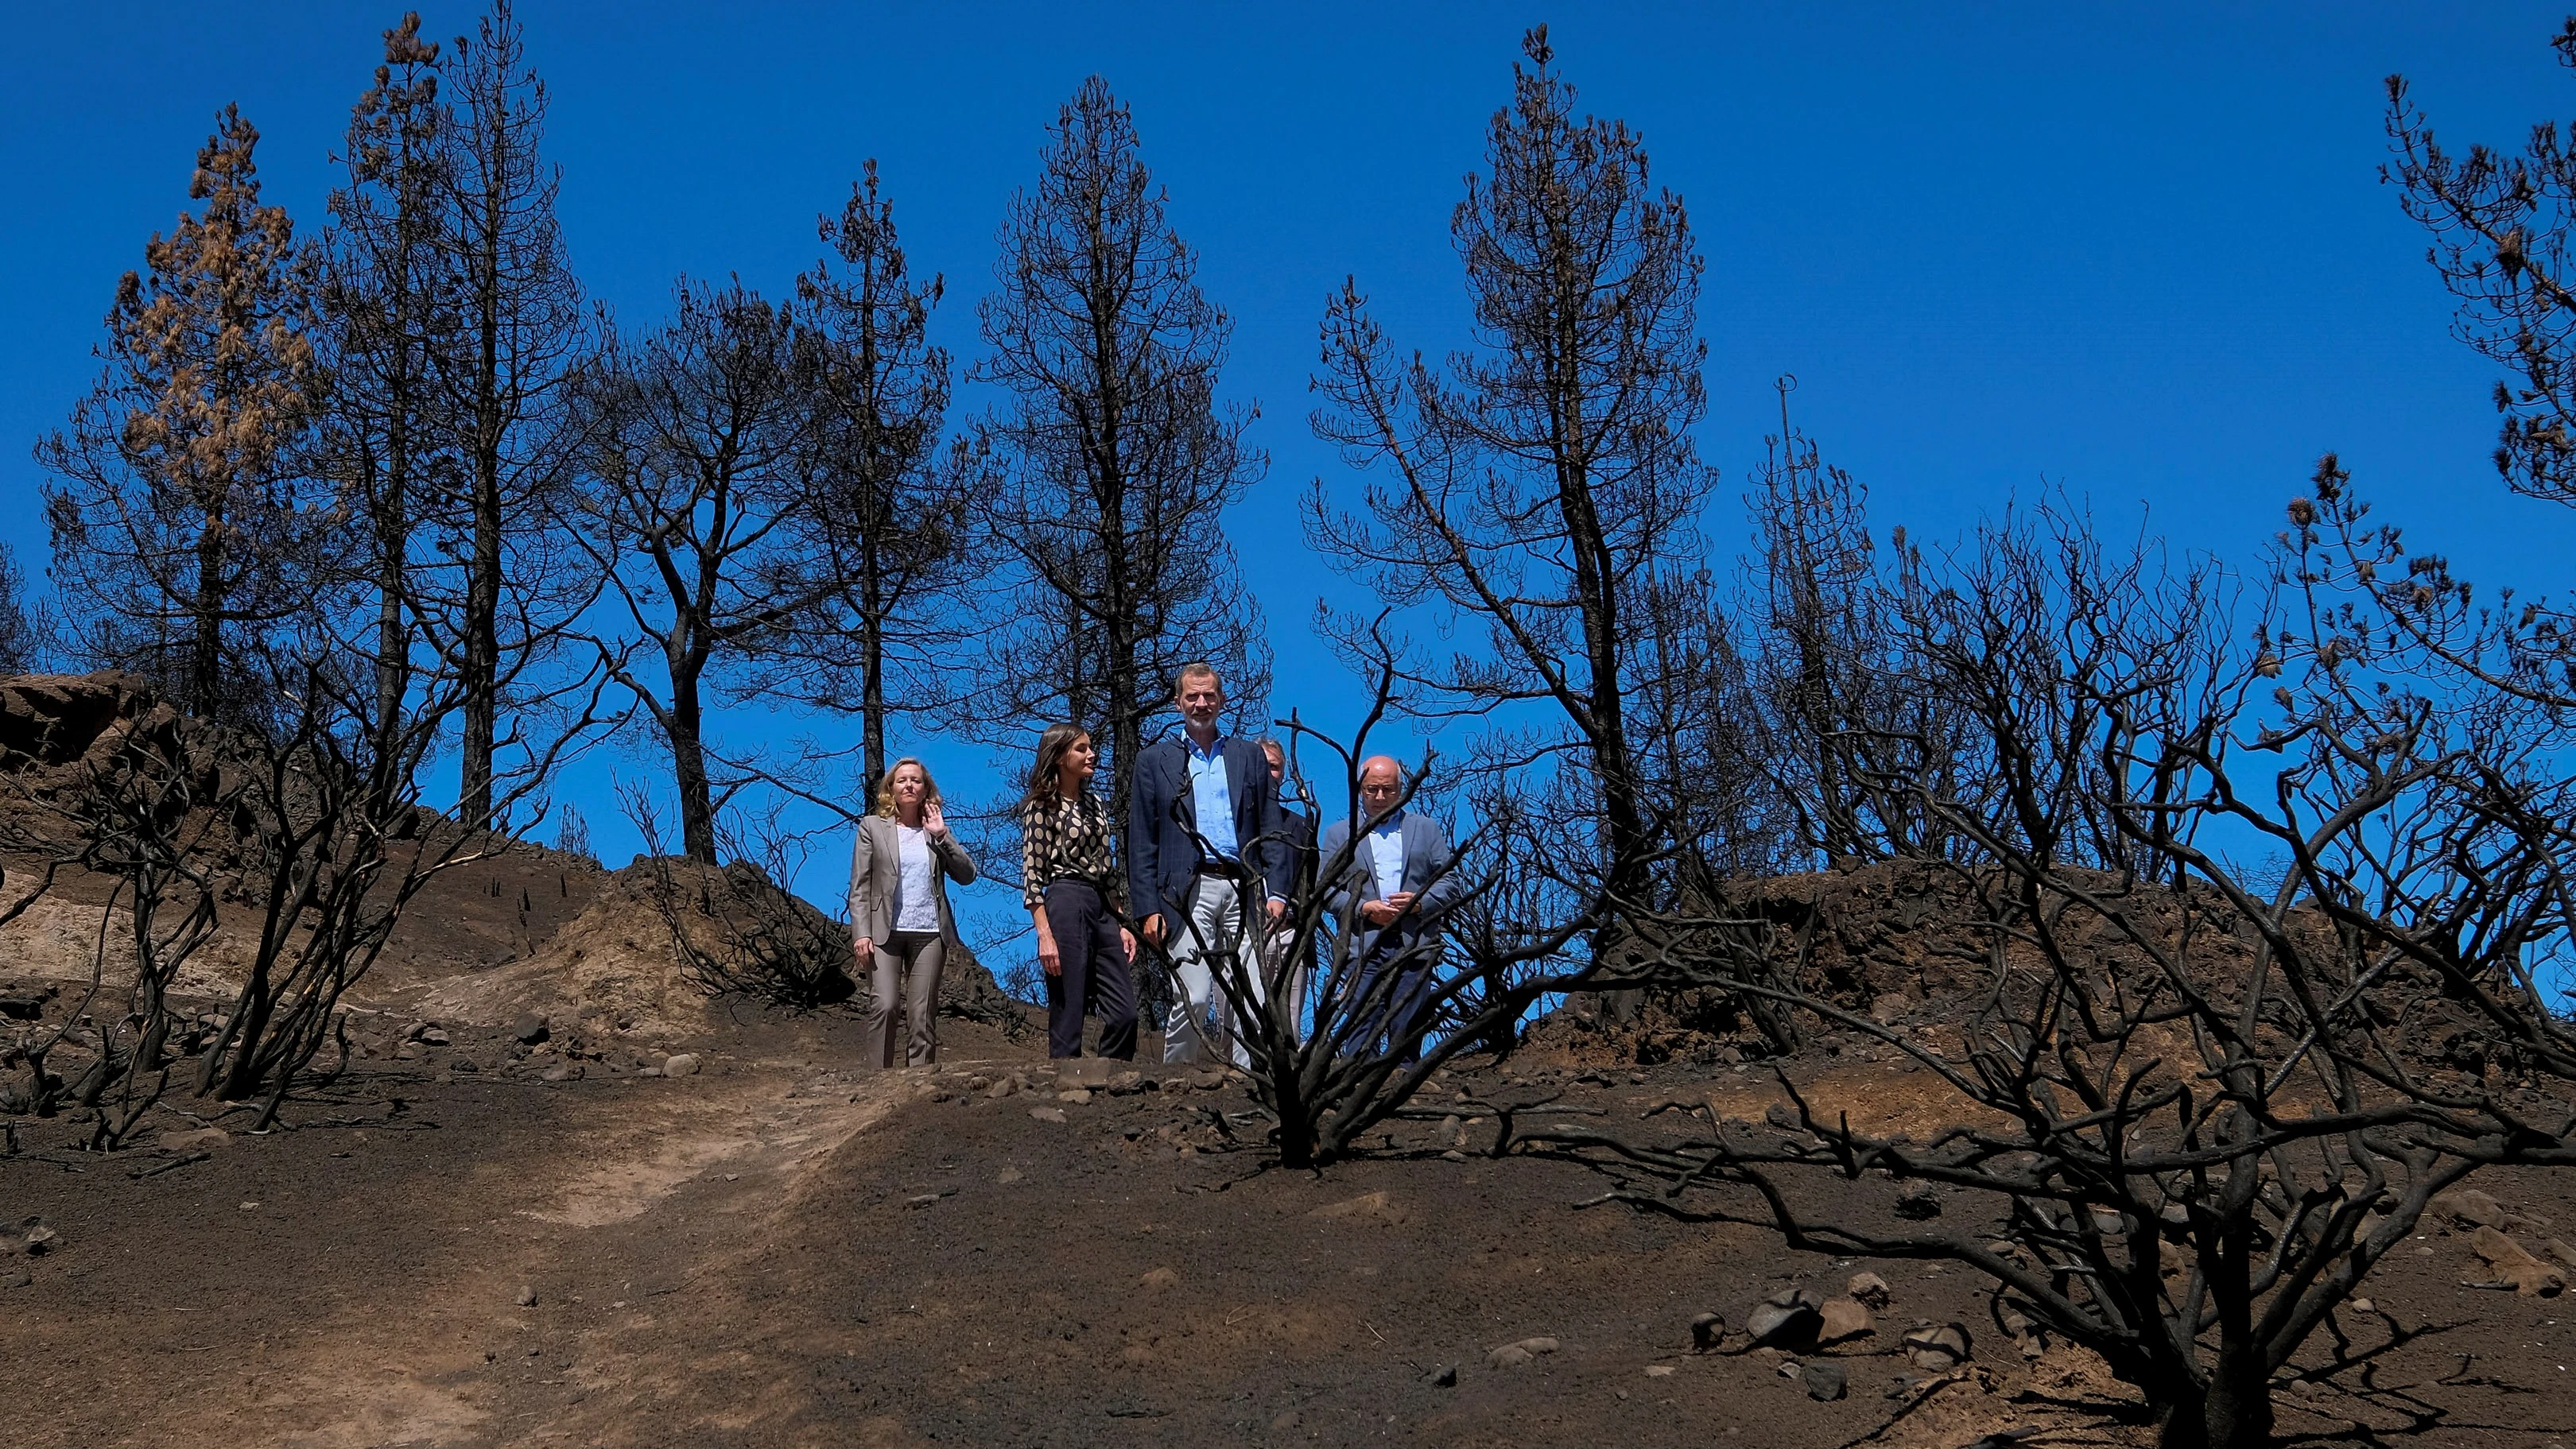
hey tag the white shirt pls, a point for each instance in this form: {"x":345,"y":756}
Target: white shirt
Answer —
{"x":916,"y":881}
{"x":1386,"y":855}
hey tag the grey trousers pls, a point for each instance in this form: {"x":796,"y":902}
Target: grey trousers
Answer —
{"x":1213,"y":936}
{"x":907,"y":969}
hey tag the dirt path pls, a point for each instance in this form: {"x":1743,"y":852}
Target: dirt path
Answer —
{"x":359,"y":1282}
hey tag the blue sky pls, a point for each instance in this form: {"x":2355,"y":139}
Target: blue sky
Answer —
{"x":2141,"y":251}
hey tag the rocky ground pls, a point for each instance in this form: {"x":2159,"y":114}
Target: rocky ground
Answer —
{"x":559,"y":1195}
{"x":779,"y":1248}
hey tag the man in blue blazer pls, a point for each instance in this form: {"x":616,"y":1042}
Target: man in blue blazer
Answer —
{"x":1394,"y":889}
{"x":1204,"y":846}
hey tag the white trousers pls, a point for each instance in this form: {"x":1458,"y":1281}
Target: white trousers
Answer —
{"x":1214,"y":932}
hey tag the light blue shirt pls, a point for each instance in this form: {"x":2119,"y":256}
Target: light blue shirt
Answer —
{"x":1214,"y":799}
{"x":1386,"y":855}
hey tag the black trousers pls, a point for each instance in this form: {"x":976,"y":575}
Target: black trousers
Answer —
{"x":1094,"y":974}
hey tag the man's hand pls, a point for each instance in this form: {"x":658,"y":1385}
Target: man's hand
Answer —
{"x":1278,"y":908}
{"x":1403,"y":901}
{"x":1153,"y":931}
{"x":1127,"y":942}
{"x":1049,"y":959}
{"x":1379,"y":913}
{"x":866,"y":948}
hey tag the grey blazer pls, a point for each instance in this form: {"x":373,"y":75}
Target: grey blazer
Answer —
{"x":1427,"y":873}
{"x":875,"y":862}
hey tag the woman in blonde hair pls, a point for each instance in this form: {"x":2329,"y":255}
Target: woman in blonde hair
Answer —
{"x":899,"y":874}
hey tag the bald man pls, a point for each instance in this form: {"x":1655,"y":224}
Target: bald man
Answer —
{"x":1397,"y":883}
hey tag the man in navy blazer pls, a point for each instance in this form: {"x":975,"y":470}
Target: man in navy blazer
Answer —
{"x":1203,"y":831}
{"x":1394,"y":888}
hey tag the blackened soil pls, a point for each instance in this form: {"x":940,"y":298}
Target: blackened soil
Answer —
{"x":785,"y":1250}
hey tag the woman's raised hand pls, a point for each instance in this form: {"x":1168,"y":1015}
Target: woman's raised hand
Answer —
{"x":933,"y":822}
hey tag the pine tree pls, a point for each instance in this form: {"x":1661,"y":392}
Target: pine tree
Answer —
{"x":896,"y":507}
{"x":383,"y":293}
{"x":702,"y":499}
{"x":1118,"y":461}
{"x":174,"y":505}
{"x":1535,"y":492}
{"x":519,"y":335}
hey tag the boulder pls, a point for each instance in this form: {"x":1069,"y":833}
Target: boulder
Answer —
{"x":2515,"y":1267}
{"x":1869,"y":1288}
{"x":1708,"y":1331}
{"x":1513,"y":1355}
{"x":1842,"y":1319}
{"x":1823,"y":1381}
{"x":1787,"y":1319}
{"x":1937,"y":1348}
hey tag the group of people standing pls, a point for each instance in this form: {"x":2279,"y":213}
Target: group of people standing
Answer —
{"x":1216,"y":863}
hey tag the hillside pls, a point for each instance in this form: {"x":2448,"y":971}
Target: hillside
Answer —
{"x":669,"y":1218}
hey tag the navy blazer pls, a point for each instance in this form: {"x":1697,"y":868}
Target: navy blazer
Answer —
{"x":1162,"y":852}
{"x":1428,"y":872}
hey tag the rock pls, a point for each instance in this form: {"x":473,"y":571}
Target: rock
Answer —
{"x":1937,"y":1348}
{"x":527,"y":1297}
{"x":1003,"y":1088}
{"x":1869,"y":1288}
{"x":39,"y":1240}
{"x":2515,"y":1267}
{"x":1047,"y":1114}
{"x":192,"y":1139}
{"x":1513,"y":1355}
{"x":1920,"y":1205}
{"x":1778,"y":1114}
{"x":2469,"y":1208}
{"x":1445,"y":1376}
{"x":680,"y":1064}
{"x":432,"y":1036}
{"x":2561,"y":1252}
{"x":568,"y":1072}
{"x":1128,"y":1084}
{"x":1286,"y":1421}
{"x":529,"y":1029}
{"x":1209,"y":1081}
{"x":1788,"y":1319}
{"x":1454,"y":1155}
{"x":1077,"y":1096}
{"x":26,"y":1003}
{"x":462,"y":1064}
{"x":1823,"y":1381}
{"x":1007,"y":1176}
{"x":2363,"y":1305}
{"x":1708,"y":1331}
{"x":1087,"y":1071}
{"x":2015,"y":1322}
{"x":1841,"y":1319}
{"x":1160,"y":1278}
{"x":1371,"y":1207}
{"x":922,"y":1200}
